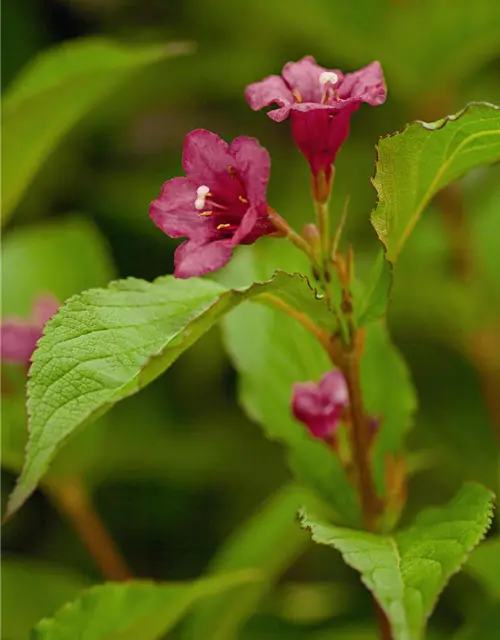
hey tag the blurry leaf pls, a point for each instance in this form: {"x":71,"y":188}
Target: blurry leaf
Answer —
{"x":106,"y":344}
{"x":484,"y":565}
{"x":32,"y":590}
{"x":407,"y":571}
{"x":61,"y":257}
{"x":133,"y":610}
{"x":52,"y":94}
{"x":270,"y":541}
{"x":349,"y":632}
{"x":14,"y":423}
{"x":417,"y":162}
{"x":483,"y":203}
{"x":389,"y":395}
{"x":271,"y":352}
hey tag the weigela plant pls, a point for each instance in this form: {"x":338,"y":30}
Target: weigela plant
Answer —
{"x":317,"y":365}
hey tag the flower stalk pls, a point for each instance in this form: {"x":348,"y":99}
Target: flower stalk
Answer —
{"x":71,"y":499}
{"x":361,"y":437}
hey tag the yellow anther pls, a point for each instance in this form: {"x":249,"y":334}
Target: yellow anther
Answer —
{"x":206,"y":213}
{"x":242,"y":199}
{"x":297,"y":95}
{"x":223,"y":226}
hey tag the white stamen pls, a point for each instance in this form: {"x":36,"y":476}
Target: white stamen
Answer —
{"x":201,"y":193}
{"x":202,"y":190}
{"x":328,"y":77}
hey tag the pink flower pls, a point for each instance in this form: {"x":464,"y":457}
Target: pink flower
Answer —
{"x":219,"y":204}
{"x":19,"y":336}
{"x":319,"y":406}
{"x":320,"y":102}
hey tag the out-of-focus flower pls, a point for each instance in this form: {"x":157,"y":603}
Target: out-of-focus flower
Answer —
{"x":319,"y":405}
{"x":320,"y":103}
{"x":19,"y":336}
{"x":219,"y":204}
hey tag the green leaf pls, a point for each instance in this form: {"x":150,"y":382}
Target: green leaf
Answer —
{"x":270,"y":541}
{"x":484,"y":565}
{"x":133,"y":610}
{"x":407,"y":571}
{"x":53,"y":92}
{"x":271,"y":352}
{"x":106,"y":344}
{"x":417,"y":162}
{"x":33,"y":590}
{"x":389,"y":395}
{"x":40,"y":258}
{"x":371,"y":303}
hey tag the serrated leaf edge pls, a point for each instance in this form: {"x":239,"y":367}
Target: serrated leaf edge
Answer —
{"x":428,"y":126}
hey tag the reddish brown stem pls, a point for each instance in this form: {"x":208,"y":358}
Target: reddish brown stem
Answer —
{"x":383,"y":623}
{"x":71,"y":499}
{"x":361,"y":437}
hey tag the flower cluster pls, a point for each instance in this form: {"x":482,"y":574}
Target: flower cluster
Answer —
{"x":221,"y":201}
{"x":19,"y":336}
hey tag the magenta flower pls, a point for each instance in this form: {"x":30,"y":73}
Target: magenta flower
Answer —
{"x":19,"y":336}
{"x":320,"y":102}
{"x":219,"y":204}
{"x":319,"y":406}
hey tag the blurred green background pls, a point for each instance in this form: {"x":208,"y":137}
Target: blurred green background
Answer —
{"x":176,"y":469}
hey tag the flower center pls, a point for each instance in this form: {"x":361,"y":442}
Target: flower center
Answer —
{"x":327,"y":80}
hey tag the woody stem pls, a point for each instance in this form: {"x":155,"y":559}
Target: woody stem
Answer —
{"x":72,"y":500}
{"x":361,"y":437}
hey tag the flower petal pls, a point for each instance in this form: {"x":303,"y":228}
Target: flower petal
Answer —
{"x":303,"y":77}
{"x":197,"y":259}
{"x":174,"y":211}
{"x":246,"y":226}
{"x":253,"y":164}
{"x":319,"y":134}
{"x":333,"y":385}
{"x":18,"y":341}
{"x":271,"y":90}
{"x":366,"y":84}
{"x":44,"y":307}
{"x":205,"y":157}
{"x":318,"y":413}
